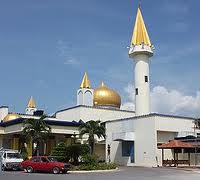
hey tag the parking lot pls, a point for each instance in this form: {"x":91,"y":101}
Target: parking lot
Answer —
{"x":131,"y":173}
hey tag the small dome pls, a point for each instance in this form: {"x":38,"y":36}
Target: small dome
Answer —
{"x":103,"y":96}
{"x":11,"y":117}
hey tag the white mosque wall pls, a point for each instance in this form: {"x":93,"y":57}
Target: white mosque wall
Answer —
{"x":1,"y":130}
{"x":69,"y":114}
{"x":183,"y":126}
{"x":13,"y":129}
{"x":147,"y":132}
{"x":169,"y":127}
{"x":86,"y":113}
{"x":64,"y":129}
{"x":117,"y":127}
{"x":164,"y":137}
{"x":146,"y":141}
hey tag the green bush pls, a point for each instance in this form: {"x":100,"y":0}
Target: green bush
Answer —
{"x":85,"y":149}
{"x":89,"y":159}
{"x":64,"y":153}
{"x":98,"y":166}
{"x":59,"y":152}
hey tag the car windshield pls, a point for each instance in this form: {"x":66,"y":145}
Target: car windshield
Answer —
{"x":13,"y":156}
{"x":52,"y":159}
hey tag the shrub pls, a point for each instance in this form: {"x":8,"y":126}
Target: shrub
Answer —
{"x":89,"y":159}
{"x":85,"y":149}
{"x":75,"y":151}
{"x":60,"y":152}
{"x":98,"y":166}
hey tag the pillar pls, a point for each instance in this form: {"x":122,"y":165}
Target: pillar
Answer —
{"x":30,"y":148}
{"x":15,"y":143}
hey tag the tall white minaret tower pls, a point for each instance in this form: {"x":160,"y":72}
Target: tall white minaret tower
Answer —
{"x":85,"y":92}
{"x":31,"y":107}
{"x":141,"y":50}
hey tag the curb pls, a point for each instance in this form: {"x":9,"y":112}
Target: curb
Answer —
{"x":94,"y":171}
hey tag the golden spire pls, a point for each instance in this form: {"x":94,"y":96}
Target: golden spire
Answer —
{"x":140,"y":34}
{"x":85,"y":82}
{"x":31,"y":103}
{"x":102,"y":84}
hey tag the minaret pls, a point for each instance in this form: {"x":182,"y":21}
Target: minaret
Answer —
{"x":31,"y":107}
{"x":85,"y":92}
{"x":141,"y":50}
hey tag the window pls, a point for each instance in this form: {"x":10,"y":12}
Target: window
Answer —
{"x":43,"y":159}
{"x":146,"y":78}
{"x":136,"y":91}
{"x":35,"y":159}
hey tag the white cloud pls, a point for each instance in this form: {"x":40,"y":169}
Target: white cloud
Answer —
{"x":66,"y":53}
{"x":175,"y":7}
{"x":71,"y":61}
{"x":167,"y":101}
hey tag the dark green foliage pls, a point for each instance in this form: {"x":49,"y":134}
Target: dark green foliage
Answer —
{"x":92,"y":128}
{"x":90,"y":159}
{"x":24,"y":153}
{"x":36,"y":130}
{"x":73,"y":152}
{"x":85,"y":149}
{"x":59,"y":152}
{"x":77,"y":150}
{"x":98,"y":166}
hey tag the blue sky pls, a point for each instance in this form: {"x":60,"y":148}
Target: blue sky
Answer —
{"x":46,"y":46}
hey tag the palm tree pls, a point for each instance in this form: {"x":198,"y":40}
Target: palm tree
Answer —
{"x":37,"y":130}
{"x":92,"y":128}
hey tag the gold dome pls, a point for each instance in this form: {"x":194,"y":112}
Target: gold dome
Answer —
{"x":11,"y":117}
{"x":103,"y":96}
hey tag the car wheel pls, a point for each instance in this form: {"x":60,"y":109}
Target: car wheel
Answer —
{"x":29,"y":169}
{"x":56,"y":170}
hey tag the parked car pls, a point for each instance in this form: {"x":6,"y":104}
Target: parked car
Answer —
{"x":44,"y":164}
{"x":11,"y":159}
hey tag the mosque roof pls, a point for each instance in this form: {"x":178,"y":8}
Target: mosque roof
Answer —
{"x":85,"y":82}
{"x":154,"y":115}
{"x":50,"y":122}
{"x":31,"y":103}
{"x":11,"y":116}
{"x":140,"y":34}
{"x":93,"y":107}
{"x":104,"y":96}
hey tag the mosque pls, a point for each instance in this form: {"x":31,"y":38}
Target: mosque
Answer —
{"x":133,"y":136}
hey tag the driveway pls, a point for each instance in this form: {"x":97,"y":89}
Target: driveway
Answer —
{"x":125,"y":173}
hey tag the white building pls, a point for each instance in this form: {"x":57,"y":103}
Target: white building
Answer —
{"x":133,"y":141}
{"x":133,"y":136}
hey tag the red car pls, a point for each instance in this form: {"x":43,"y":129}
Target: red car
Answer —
{"x":44,"y":164}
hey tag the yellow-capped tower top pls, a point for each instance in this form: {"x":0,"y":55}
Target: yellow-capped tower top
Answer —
{"x":140,"y":34}
{"x":31,"y":103}
{"x":85,"y":82}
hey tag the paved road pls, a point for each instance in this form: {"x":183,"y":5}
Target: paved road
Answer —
{"x":123,"y":174}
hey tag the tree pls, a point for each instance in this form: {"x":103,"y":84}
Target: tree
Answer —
{"x":59,"y":152}
{"x":92,"y":128}
{"x":36,"y":130}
